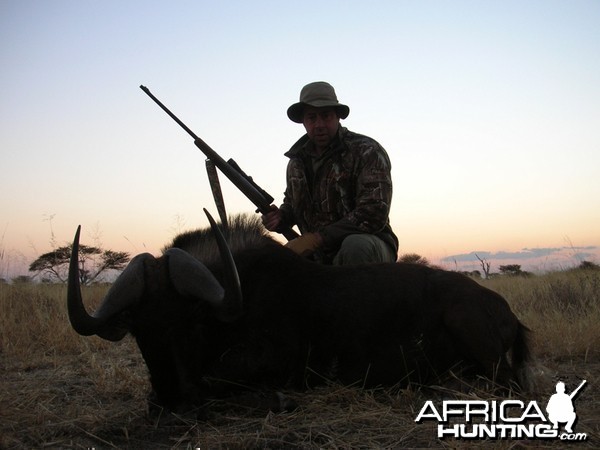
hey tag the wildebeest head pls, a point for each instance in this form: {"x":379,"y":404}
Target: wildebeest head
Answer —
{"x":186,"y":275}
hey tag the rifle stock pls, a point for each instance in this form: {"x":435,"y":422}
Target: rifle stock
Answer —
{"x":231,"y":170}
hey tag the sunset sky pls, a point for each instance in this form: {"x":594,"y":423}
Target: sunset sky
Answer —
{"x":489,"y":110}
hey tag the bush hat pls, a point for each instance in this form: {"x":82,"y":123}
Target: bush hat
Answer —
{"x":318,"y":94}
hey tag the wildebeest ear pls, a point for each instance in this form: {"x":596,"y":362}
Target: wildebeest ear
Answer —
{"x":191,"y":278}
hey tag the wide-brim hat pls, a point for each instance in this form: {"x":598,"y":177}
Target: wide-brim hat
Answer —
{"x":318,"y":94}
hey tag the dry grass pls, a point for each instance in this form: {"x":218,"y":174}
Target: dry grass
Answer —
{"x":562,"y":308}
{"x":60,"y":390}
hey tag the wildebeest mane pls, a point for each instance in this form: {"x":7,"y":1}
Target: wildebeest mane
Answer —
{"x":244,"y":232}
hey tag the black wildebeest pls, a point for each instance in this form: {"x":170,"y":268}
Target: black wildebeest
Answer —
{"x":205,"y":329}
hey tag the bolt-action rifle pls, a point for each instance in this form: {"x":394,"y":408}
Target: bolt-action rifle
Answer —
{"x":231,"y":170}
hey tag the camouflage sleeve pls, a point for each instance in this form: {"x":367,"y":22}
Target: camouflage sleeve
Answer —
{"x":373,"y":187}
{"x":287,"y":211}
{"x":286,"y":208}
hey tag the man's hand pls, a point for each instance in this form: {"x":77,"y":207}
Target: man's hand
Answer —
{"x":272,"y":219}
{"x":306,"y":244}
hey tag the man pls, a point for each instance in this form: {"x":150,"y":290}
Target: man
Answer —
{"x":339,"y":187}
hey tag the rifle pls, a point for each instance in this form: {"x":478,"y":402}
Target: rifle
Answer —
{"x":261,"y":199}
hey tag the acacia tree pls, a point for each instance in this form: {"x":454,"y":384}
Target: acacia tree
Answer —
{"x":93,"y":262}
{"x":511,"y":269}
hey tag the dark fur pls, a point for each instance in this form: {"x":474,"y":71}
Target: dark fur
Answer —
{"x":302,"y":323}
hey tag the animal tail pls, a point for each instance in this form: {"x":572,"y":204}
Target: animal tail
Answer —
{"x":521,"y":359}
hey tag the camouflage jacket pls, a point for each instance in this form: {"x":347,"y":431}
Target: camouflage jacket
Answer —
{"x":347,"y":190}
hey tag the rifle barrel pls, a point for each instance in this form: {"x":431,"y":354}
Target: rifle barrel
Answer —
{"x":165,"y":109}
{"x":251,"y":190}
{"x":242,"y":184}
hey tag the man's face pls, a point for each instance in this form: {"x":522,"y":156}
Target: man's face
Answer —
{"x":321,"y":125}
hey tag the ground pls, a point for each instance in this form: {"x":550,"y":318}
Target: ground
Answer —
{"x":97,"y":400}
{"x":60,"y":390}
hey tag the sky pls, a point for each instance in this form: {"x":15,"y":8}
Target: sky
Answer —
{"x":489,"y":111}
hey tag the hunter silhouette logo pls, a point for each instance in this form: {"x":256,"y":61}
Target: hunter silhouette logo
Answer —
{"x":506,"y":419}
{"x":560,"y":407}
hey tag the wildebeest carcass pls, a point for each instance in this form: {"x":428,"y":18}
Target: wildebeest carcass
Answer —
{"x":282,"y":321}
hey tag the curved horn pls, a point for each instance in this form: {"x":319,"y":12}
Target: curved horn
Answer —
{"x":191,"y":278}
{"x":233,"y":303}
{"x":124,"y":292}
{"x":81,"y":321}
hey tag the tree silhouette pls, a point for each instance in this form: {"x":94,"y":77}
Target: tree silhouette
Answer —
{"x":514,"y":270}
{"x":588,"y":265}
{"x":485,"y":265}
{"x":510,"y":269}
{"x":93,"y":262}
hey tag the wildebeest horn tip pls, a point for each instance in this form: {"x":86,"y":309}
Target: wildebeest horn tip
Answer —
{"x":233,"y":289}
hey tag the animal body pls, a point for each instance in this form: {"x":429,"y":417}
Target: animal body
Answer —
{"x":279,"y":320}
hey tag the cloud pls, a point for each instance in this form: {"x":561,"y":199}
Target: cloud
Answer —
{"x":583,"y":256}
{"x":526,"y":253}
